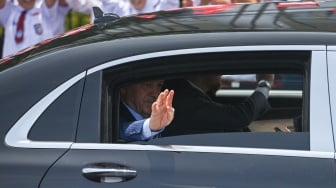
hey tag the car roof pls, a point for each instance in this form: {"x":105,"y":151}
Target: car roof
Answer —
{"x":260,"y":17}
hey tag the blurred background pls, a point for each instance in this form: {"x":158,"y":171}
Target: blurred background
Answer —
{"x":73,"y":19}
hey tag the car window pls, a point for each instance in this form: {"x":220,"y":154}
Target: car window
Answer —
{"x":282,"y":126}
{"x":60,"y":127}
{"x":90,"y":120}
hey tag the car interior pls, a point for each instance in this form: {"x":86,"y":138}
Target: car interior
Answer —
{"x":285,"y":100}
{"x":288,"y":98}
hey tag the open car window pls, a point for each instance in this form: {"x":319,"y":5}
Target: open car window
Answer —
{"x":283,"y":126}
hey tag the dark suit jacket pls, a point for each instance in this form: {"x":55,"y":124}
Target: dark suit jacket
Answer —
{"x":196,"y":112}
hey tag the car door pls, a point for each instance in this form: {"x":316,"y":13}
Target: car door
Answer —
{"x":39,"y":137}
{"x":93,"y":163}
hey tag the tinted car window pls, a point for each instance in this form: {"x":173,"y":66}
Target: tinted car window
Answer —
{"x":59,"y":121}
{"x":91,"y":108}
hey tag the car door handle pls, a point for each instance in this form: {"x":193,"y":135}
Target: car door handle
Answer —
{"x":108,"y":173}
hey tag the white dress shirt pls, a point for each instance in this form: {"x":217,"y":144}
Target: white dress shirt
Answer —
{"x":146,"y":131}
{"x":125,"y":8}
{"x":37,"y":25}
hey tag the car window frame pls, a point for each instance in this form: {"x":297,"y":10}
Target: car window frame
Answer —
{"x":18,"y":138}
{"x":137,"y":69}
{"x":320,"y":48}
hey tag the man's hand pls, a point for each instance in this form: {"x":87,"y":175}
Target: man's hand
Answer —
{"x":162,"y":111}
{"x":267,"y":77}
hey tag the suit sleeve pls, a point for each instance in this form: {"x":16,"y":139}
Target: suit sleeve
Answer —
{"x":132,"y":131}
{"x":230,"y":117}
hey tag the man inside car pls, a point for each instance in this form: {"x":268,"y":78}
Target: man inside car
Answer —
{"x":144,"y":110}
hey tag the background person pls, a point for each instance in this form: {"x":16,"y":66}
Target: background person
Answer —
{"x":81,"y":6}
{"x":26,"y":22}
{"x":191,"y":3}
{"x":129,"y":7}
{"x":40,"y":20}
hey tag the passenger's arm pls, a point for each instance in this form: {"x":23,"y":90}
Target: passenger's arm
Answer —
{"x":267,"y":77}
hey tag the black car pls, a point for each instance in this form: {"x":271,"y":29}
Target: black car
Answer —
{"x":59,"y":100}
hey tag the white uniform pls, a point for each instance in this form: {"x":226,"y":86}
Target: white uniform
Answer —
{"x":58,"y":26}
{"x":196,"y":2}
{"x":82,"y":6}
{"x":125,"y":8}
{"x":37,"y":25}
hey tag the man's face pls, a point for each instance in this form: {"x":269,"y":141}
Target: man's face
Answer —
{"x":187,"y":3}
{"x":138,"y":4}
{"x":27,"y":4}
{"x":140,"y":96}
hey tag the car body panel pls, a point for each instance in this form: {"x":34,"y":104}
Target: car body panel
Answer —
{"x":26,"y":168}
{"x":332,"y":88}
{"x":183,"y":168}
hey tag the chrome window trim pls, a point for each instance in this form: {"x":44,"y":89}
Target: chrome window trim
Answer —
{"x":207,"y":50}
{"x":248,"y":92}
{"x":331,"y":56}
{"x":205,"y":149}
{"x":18,"y":134}
{"x":332,"y":48}
{"x":321,"y":136}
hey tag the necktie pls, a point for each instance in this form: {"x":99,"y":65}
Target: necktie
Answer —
{"x":20,"y":28}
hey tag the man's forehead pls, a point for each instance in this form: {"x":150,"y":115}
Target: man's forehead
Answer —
{"x":152,"y":82}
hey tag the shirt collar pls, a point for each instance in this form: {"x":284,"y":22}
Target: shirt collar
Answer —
{"x":134,"y":113}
